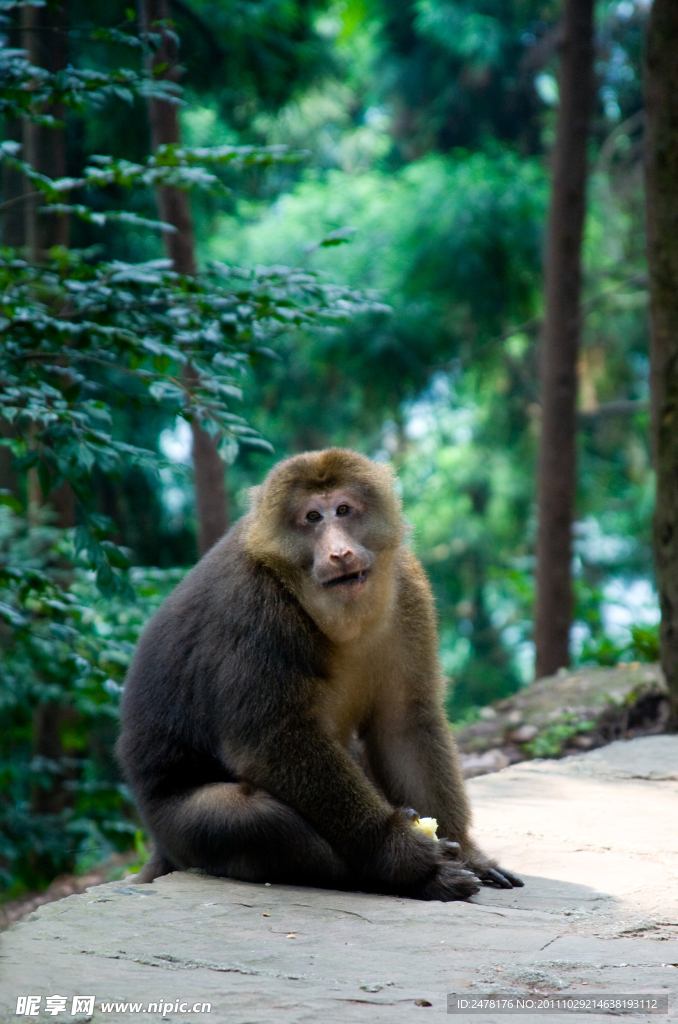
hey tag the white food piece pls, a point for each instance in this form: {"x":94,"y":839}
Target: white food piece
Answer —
{"x":427,"y":825}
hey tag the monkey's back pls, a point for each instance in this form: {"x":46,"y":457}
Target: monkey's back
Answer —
{"x":225,"y":659}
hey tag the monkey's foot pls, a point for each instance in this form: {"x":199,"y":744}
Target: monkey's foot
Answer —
{"x":153,"y":868}
{"x":449,"y":883}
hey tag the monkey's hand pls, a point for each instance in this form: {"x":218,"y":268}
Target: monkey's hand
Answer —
{"x":411,"y":863}
{"x":429,"y":826}
{"x":412,"y":852}
{"x":488,"y":872}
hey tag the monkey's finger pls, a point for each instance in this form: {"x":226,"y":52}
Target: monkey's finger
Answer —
{"x":495,"y":877}
{"x":450,"y":849}
{"x":411,"y":814}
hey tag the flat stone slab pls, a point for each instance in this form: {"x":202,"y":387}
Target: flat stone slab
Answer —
{"x":594,"y":836}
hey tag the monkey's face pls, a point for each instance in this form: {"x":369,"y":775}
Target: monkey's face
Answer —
{"x":331,"y":529}
{"x":329,"y":524}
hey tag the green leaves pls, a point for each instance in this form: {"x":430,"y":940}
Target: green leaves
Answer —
{"x":467,"y":34}
{"x":26,"y":89}
{"x":177,"y":166}
{"x":9,"y":500}
{"x":77,"y":339}
{"x":84,"y":345}
{"x":338,"y":237}
{"x":163,"y":390}
{"x":104,"y":557}
{"x":65,"y":651}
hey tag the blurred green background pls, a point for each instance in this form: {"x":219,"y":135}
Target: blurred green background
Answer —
{"x":426,"y":128}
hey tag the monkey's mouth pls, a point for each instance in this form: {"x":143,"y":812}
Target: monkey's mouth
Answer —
{"x":349,"y":579}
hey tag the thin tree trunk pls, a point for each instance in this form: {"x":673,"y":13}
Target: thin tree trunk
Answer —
{"x":174,"y":208}
{"x":661,"y":102}
{"x":44,"y":35}
{"x":45,"y":38}
{"x":560,"y":343}
{"x":13,"y":188}
{"x":13,"y":181}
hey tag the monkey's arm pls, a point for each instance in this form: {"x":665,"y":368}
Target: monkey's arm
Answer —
{"x":414,"y":761}
{"x":413,"y":758}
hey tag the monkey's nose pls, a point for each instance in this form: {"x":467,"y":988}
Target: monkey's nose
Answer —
{"x":340,"y":556}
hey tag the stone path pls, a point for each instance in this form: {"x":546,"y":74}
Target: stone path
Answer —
{"x":594,"y":836}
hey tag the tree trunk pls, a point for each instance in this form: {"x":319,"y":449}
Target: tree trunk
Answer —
{"x":13,"y":188}
{"x":13,"y":181}
{"x":562,"y":327}
{"x":661,"y":102}
{"x":45,"y":38}
{"x":174,"y":208}
{"x":44,"y":32}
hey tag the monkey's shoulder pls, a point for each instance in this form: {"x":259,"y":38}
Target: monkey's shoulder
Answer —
{"x":416,"y":637}
{"x":228,"y":621}
{"x":413,"y":588}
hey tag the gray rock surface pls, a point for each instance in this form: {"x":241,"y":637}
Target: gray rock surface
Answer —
{"x":594,"y":836}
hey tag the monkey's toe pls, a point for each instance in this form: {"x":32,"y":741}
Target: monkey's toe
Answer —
{"x":516,"y":882}
{"x":502,"y":878}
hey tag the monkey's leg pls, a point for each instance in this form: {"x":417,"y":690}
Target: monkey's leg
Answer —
{"x":234,"y":830}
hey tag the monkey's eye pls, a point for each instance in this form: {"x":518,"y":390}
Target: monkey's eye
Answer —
{"x":313,"y":516}
{"x":343,"y":510}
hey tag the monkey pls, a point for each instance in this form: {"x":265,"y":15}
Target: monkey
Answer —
{"x":282,"y":717}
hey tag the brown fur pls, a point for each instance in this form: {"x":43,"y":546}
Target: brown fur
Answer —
{"x":275,"y":725}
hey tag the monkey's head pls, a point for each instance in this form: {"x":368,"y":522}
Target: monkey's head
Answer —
{"x":326,"y":521}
